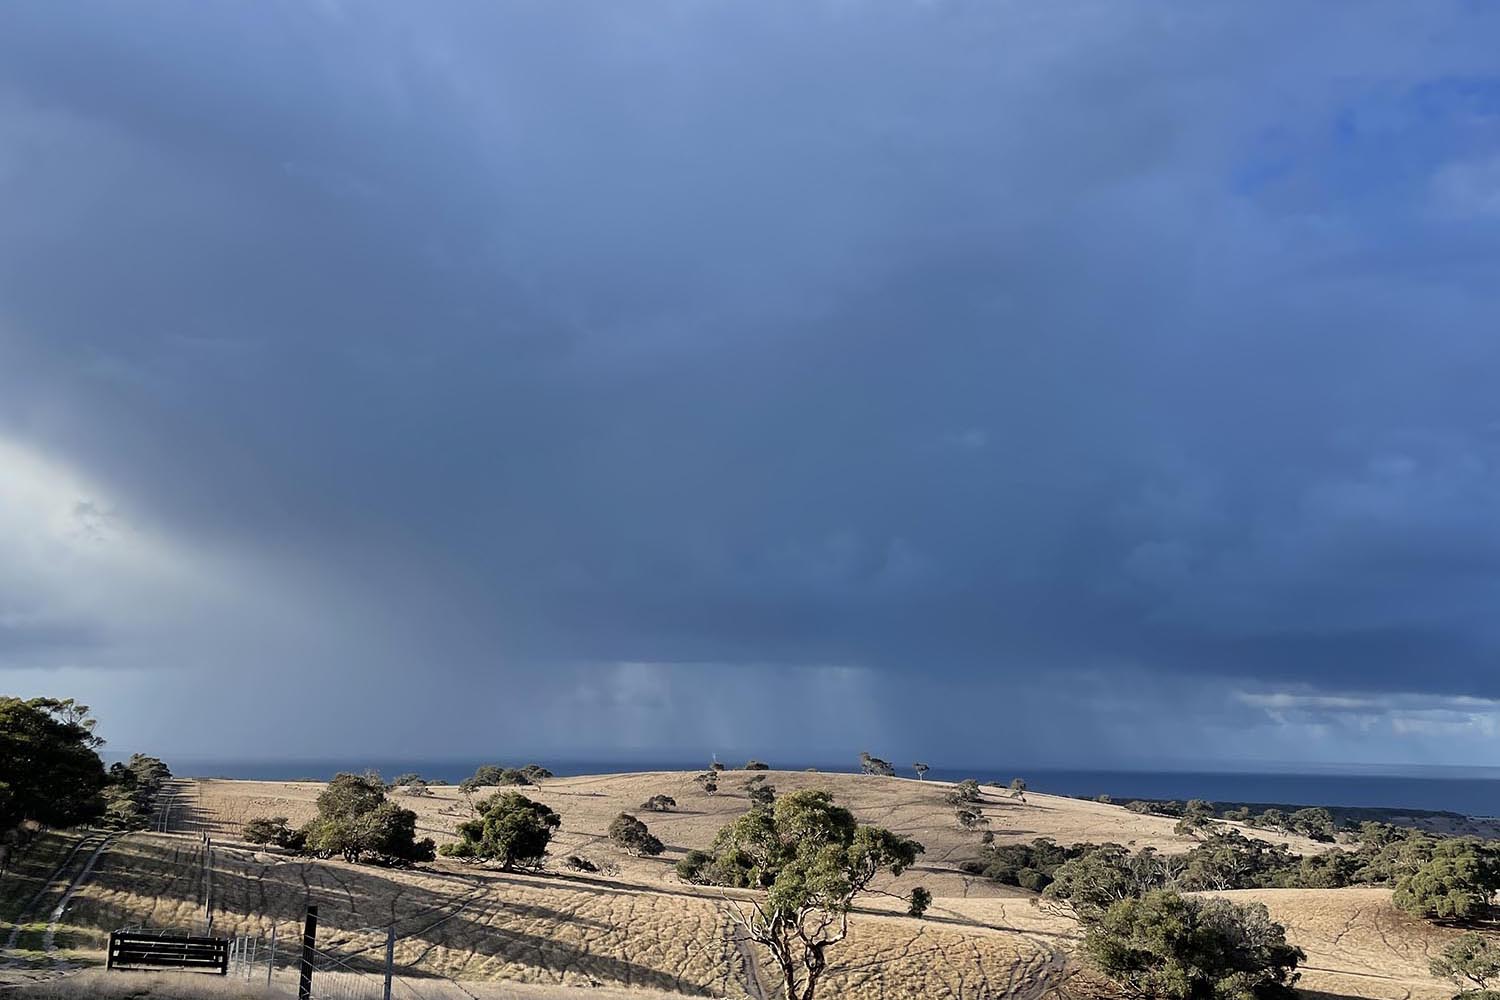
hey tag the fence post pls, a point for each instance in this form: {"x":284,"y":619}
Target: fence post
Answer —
{"x":309,"y":941}
{"x":271,"y":961}
{"x":390,"y":958}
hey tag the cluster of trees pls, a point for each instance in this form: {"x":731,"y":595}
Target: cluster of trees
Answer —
{"x":1142,"y":932}
{"x":51,"y":774}
{"x":1195,"y":815}
{"x":874,"y":765}
{"x":133,"y":790}
{"x":50,"y":771}
{"x":808,"y":859}
{"x":355,"y":821}
{"x":1442,"y":879}
{"x":497,"y":775}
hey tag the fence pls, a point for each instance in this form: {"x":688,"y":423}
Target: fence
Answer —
{"x":323,"y":973}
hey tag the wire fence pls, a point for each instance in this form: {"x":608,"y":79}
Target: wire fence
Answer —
{"x":325,"y":972}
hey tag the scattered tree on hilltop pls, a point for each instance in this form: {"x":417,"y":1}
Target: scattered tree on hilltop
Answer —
{"x":510,"y":829}
{"x":416,"y":789}
{"x":1174,"y":947}
{"x":876,"y":766}
{"x":1471,"y":959}
{"x":756,"y":765}
{"x":1197,"y":817}
{"x":357,"y":822}
{"x":963,"y":792}
{"x":809,"y":860}
{"x":659,"y":803}
{"x":921,"y":770}
{"x":536,"y":774}
{"x":409,"y":778}
{"x":486,"y":776}
{"x":1018,"y":788}
{"x":630,"y":834}
{"x":717,"y":765}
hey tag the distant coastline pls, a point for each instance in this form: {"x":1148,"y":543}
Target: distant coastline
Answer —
{"x":1440,"y":791}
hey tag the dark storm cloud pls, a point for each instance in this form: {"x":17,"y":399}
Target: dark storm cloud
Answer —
{"x":568,"y":349}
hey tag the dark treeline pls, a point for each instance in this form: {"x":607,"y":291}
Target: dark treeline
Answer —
{"x":1440,"y":878}
{"x":51,"y":774}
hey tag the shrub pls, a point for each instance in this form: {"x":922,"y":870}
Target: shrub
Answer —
{"x":965,"y":791}
{"x":717,"y":765}
{"x":1030,"y":878}
{"x":1018,"y":788}
{"x":691,"y":867}
{"x":918,"y":902}
{"x":510,"y":829}
{"x":631,"y":835}
{"x":580,"y":864}
{"x":969,"y":819}
{"x":708,"y":781}
{"x":762,"y":795}
{"x":659,"y":804}
{"x":756,"y":765}
{"x":416,"y":789}
{"x":272,"y":830}
{"x":1193,"y":948}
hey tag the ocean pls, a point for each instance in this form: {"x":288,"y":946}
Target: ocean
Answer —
{"x":1470,"y":791}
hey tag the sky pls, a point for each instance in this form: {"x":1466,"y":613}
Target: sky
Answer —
{"x":1064,"y":384}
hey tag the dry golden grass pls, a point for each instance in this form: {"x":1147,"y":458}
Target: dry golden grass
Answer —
{"x":1357,"y":943}
{"x":633,"y":926}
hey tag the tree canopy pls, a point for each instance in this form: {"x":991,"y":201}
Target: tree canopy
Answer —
{"x":1455,"y":884}
{"x":1164,"y":945}
{"x":808,"y":859}
{"x":510,"y":829}
{"x":631,"y":835}
{"x":50,"y":771}
{"x":356,"y":821}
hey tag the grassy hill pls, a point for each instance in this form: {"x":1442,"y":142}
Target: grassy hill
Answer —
{"x":632,"y":925}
